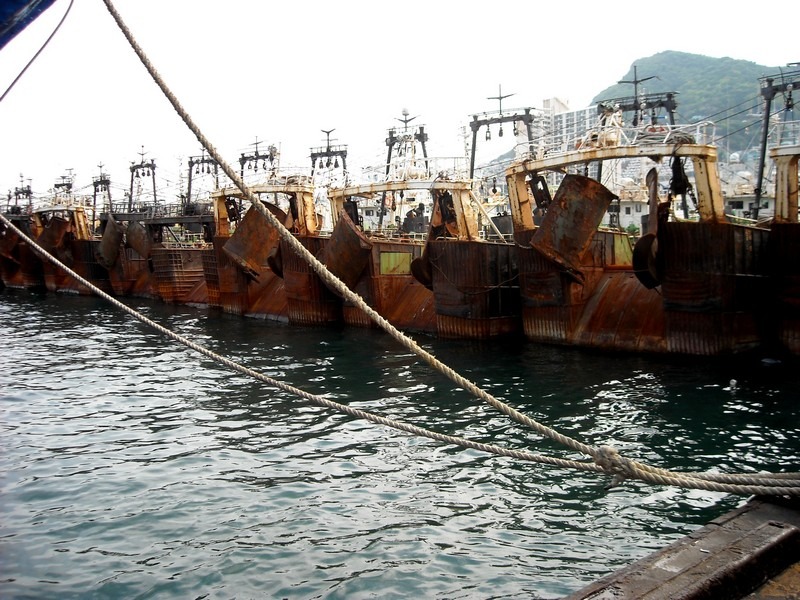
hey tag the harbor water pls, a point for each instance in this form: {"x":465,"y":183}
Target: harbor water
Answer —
{"x":133,"y":467}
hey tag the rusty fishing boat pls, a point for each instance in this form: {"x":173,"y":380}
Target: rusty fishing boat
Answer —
{"x":242,"y":272}
{"x":586,"y":285}
{"x":67,"y":232}
{"x":154,"y":248}
{"x":379,"y":229}
{"x":20,"y":266}
{"x":469,"y":260}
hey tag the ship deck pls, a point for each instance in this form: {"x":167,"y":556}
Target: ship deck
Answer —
{"x":750,"y":553}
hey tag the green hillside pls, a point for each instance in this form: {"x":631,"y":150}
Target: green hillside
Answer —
{"x":722,"y":90}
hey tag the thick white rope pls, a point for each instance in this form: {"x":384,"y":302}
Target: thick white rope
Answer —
{"x":315,"y":398}
{"x":606,"y":458}
{"x":609,"y":462}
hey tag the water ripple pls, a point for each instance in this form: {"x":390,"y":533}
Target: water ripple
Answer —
{"x":132,"y":467}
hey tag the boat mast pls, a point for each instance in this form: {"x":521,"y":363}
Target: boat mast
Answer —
{"x":22,"y":192}
{"x":769,"y":89}
{"x":200,"y":165}
{"x":328,"y":152}
{"x":101,"y":183}
{"x":526,"y":117}
{"x":420,"y":136}
{"x":637,"y":117}
{"x":143,"y":169}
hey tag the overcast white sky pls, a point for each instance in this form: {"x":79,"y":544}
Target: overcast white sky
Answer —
{"x":282,"y":71}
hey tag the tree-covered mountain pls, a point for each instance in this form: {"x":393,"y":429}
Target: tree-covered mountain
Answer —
{"x":723,"y":90}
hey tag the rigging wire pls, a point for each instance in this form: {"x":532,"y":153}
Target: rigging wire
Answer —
{"x":38,"y":52}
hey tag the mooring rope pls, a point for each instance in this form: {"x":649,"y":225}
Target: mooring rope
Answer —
{"x":315,"y":398}
{"x":609,"y":462}
{"x":606,"y":458}
{"x":39,"y":51}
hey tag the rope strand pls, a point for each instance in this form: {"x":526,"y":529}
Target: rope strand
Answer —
{"x":606,"y":459}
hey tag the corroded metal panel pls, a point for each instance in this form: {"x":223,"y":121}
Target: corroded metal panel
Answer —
{"x":53,"y":235}
{"x":254,"y":239}
{"x":111,"y":243}
{"x":395,"y":263}
{"x":572,"y":220}
{"x":386,"y":285}
{"x":80,"y":256}
{"x":784,"y":253}
{"x":714,"y":286}
{"x":179,"y":275}
{"x":623,"y":315}
{"x":347,"y":252}
{"x":211,"y":274}
{"x":138,"y":238}
{"x":132,"y":275}
{"x":476,"y":288}
{"x":9,"y":239}
{"x":310,"y":302}
{"x":25,"y":271}
{"x":609,"y":309}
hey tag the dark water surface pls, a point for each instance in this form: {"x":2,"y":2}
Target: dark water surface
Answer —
{"x":133,"y":467}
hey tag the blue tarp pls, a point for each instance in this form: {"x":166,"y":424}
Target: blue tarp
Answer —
{"x":16,"y":15}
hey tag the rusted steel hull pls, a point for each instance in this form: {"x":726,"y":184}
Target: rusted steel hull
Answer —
{"x":132,"y":275}
{"x":179,"y":275}
{"x":256,"y":291}
{"x":77,"y":254}
{"x":379,"y":270}
{"x":388,"y":286}
{"x":714,"y":285}
{"x":310,"y":302}
{"x":475,"y":288}
{"x":610,"y":309}
{"x":784,"y":261}
{"x":80,"y":256}
{"x":23,"y":269}
{"x":20,"y":266}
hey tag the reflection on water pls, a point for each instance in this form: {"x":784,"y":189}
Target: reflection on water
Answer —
{"x":133,"y":467}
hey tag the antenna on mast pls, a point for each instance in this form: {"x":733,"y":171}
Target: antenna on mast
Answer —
{"x":636,"y":81}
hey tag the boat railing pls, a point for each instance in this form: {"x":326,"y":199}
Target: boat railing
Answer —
{"x":785,"y":133}
{"x":184,"y":239}
{"x":12,"y":208}
{"x":394,"y":234}
{"x":614,"y":135}
{"x":155,"y":211}
{"x":418,"y":169}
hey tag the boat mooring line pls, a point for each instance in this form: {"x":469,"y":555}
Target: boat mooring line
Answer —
{"x":330,"y":279}
{"x":609,"y":461}
{"x":606,"y":459}
{"x":315,"y":398}
{"x":39,"y":51}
